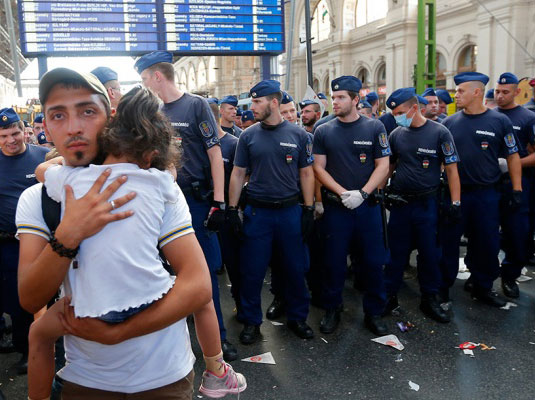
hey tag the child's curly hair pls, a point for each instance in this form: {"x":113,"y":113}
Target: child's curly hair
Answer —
{"x":137,"y":129}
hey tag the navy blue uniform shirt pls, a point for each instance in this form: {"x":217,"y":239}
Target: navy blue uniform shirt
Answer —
{"x":196,"y":131}
{"x":419,"y":153}
{"x":322,"y":121}
{"x":523,"y":122}
{"x":480,"y":140}
{"x":389,"y":122}
{"x":228,"y":150}
{"x":273,"y":157}
{"x":351,"y":149}
{"x":16,"y":174}
{"x":234,"y":131}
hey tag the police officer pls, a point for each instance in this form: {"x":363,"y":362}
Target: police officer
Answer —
{"x":444,"y":99}
{"x":278,"y":156}
{"x":351,"y":160}
{"x":247,"y":119}
{"x":481,"y":136}
{"x":365,"y":109}
{"x":323,"y":98}
{"x":43,"y":141}
{"x":432,"y":109}
{"x":109,"y":78}
{"x":288,"y":109}
{"x":38,"y":124}
{"x":227,"y":110}
{"x":373,"y":99}
{"x":389,"y":122}
{"x":310,"y":114}
{"x":237,"y":118}
{"x":419,"y":148}
{"x":489,"y":99}
{"x":516,"y":223}
{"x":202,"y":167}
{"x":18,"y":161}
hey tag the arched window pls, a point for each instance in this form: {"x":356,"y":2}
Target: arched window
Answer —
{"x":441,"y":69}
{"x":467,"y":59}
{"x":321,"y":25}
{"x":192,"y":80}
{"x":381,"y":85}
{"x":327,"y":86}
{"x":370,"y":10}
{"x":201,"y":75}
{"x":316,"y":85}
{"x":211,"y":70}
{"x":364,"y":77}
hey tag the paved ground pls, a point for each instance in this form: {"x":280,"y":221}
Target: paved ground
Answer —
{"x":347,"y":364}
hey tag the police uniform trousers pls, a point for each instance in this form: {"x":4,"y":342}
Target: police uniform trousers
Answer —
{"x":265,"y":229}
{"x":20,"y":319}
{"x":230,"y":252}
{"x":210,"y":246}
{"x":515,"y":231}
{"x":531,"y":202}
{"x":362,"y":227}
{"x":414,"y":225}
{"x":480,"y":224}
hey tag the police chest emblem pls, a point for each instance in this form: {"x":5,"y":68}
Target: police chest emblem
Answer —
{"x":383,"y":140}
{"x":363,"y":158}
{"x":447,"y":149}
{"x":484,"y":145}
{"x":206,"y":129}
{"x":510,"y":140}
{"x":425,"y":163}
{"x":289,"y":158}
{"x":4,"y":118}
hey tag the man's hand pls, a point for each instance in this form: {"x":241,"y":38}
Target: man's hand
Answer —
{"x":89,"y":214}
{"x":307,"y":223}
{"x":352,"y":199}
{"x":515,"y":200}
{"x":91,"y":329}
{"x":216,"y":217}
{"x":234,"y":221}
{"x":454,"y":214}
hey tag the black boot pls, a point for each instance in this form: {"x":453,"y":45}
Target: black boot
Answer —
{"x":276,"y":308}
{"x":375,"y":324}
{"x":391,"y":304}
{"x":301,"y":329}
{"x":510,"y":288}
{"x":431,"y":307}
{"x":250,"y":334}
{"x":330,"y":320}
{"x":488,"y":297}
{"x":229,"y":351}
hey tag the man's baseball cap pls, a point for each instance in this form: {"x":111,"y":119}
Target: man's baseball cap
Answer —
{"x":59,"y":75}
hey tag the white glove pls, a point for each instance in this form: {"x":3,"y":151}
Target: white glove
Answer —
{"x":502,"y":163}
{"x":318,"y":210}
{"x":352,"y":199}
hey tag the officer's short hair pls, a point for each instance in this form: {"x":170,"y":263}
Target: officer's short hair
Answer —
{"x":352,"y":94}
{"x":412,"y":101}
{"x":315,"y":106}
{"x":166,"y":69}
{"x":18,"y":124}
{"x":276,"y":95}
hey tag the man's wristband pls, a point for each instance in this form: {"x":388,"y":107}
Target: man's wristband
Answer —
{"x":60,"y":249}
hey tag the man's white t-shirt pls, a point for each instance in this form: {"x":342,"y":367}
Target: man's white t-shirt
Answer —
{"x":142,"y":363}
{"x":119,"y":267}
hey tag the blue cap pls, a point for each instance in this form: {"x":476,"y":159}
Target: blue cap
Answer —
{"x":152,"y":58}
{"x":265,"y":88}
{"x":422,"y":100}
{"x":41,"y":138}
{"x":372,"y":97}
{"x":38,"y":119}
{"x":232,"y":100}
{"x":212,"y":100}
{"x":307,"y":102}
{"x":322,"y":96}
{"x":508,"y":78}
{"x":286,"y":98}
{"x":444,"y":96}
{"x":8,"y":116}
{"x":239,"y":111}
{"x":400,"y":96}
{"x":349,"y":83}
{"x":365,"y":104}
{"x":247,"y":115}
{"x":471,"y":77}
{"x":105,"y":74}
{"x":429,"y":92}
{"x":490,"y":94}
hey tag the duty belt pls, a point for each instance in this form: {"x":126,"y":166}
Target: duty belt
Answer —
{"x":7,"y":236}
{"x":329,"y":197}
{"x":417,"y":195}
{"x":474,"y":187}
{"x":274,"y":204}
{"x":199,"y":190}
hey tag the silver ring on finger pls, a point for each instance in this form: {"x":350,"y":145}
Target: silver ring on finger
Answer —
{"x":112,"y":205}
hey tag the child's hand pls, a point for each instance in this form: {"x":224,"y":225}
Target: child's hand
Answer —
{"x":41,"y":168}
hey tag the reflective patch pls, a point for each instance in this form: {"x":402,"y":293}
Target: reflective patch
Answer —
{"x":206,"y":129}
{"x":386,"y":152}
{"x":447,"y":148}
{"x":510,"y":140}
{"x":452,"y":159}
{"x":484,"y":145}
{"x":383,"y":140}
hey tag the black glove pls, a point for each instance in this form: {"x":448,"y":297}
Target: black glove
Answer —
{"x":307,"y":222}
{"x":515,"y":199}
{"x":394,"y":200}
{"x":377,"y":197}
{"x":216,"y":217}
{"x":454,"y":214}
{"x":233,"y":220}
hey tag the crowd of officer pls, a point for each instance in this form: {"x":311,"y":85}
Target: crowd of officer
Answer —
{"x":299,"y":191}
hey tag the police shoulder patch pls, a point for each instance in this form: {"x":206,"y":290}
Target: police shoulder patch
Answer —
{"x":510,"y":140}
{"x":309,"y":147}
{"x":206,"y":129}
{"x":383,"y":140}
{"x":447,"y":148}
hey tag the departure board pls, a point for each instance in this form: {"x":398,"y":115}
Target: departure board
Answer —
{"x":133,"y":27}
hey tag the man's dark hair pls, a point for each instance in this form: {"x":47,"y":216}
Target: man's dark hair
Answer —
{"x":352,"y":94}
{"x":412,"y":101}
{"x":277,"y":96}
{"x":166,"y":69}
{"x":138,"y":128}
{"x":18,"y":124}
